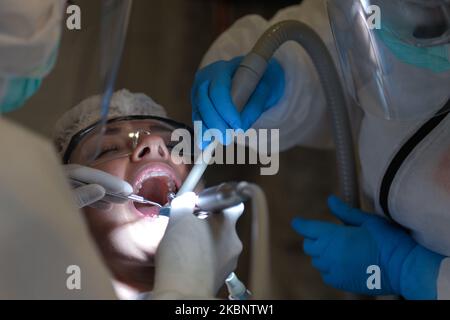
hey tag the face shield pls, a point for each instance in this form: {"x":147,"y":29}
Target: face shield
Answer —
{"x":420,"y":23}
{"x":115,"y":15}
{"x":30,"y":33}
{"x":394,"y":55}
{"x":122,"y":136}
{"x":30,"y":48}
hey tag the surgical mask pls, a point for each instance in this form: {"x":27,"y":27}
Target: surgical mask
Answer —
{"x":400,"y":72}
{"x":17,"y":90}
{"x":29,"y":37}
{"x":436,"y":58}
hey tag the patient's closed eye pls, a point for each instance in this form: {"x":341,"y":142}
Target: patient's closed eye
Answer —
{"x":107,"y":150}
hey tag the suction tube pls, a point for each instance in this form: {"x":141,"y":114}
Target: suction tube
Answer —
{"x":253,"y":66}
{"x":252,"y":69}
{"x":231,"y":194}
{"x":260,"y":267}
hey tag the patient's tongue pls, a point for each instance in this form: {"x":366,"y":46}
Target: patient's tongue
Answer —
{"x":154,"y":189}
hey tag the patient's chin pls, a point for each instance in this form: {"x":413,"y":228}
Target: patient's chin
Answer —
{"x":138,"y":240}
{"x":127,"y":241}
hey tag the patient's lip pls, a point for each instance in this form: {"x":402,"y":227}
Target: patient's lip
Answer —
{"x":146,"y":170}
{"x":151,"y":212}
{"x":149,"y":170}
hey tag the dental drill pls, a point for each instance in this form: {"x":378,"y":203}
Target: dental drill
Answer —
{"x":215,"y":199}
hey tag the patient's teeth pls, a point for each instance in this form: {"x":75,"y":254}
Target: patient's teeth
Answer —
{"x":171,"y":185}
{"x":170,"y":196}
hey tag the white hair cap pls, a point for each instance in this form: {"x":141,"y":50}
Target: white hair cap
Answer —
{"x":87,"y":112}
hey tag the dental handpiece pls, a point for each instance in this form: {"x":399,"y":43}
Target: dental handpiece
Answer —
{"x":131,"y":197}
{"x":215,"y":199}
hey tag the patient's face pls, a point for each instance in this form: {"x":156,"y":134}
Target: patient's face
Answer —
{"x":128,"y":234}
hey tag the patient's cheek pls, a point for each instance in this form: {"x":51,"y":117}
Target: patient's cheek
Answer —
{"x":114,"y":167}
{"x":98,"y":220}
{"x":183,"y":170}
{"x":442,"y":172}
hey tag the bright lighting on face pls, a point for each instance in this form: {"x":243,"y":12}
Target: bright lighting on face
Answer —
{"x":141,"y":238}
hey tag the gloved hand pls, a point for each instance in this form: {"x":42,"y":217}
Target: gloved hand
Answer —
{"x":211,"y":96}
{"x":93,"y":194}
{"x":342,"y":254}
{"x":196,"y":255}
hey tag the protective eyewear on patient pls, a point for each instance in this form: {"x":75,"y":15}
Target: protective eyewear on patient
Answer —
{"x":120,"y":139}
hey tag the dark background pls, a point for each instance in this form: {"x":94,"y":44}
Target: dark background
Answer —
{"x":165,"y":43}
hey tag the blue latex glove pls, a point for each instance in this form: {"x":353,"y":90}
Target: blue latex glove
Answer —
{"x":211,"y":96}
{"x":342,"y":254}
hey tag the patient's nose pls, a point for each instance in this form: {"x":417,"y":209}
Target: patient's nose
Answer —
{"x":150,"y":147}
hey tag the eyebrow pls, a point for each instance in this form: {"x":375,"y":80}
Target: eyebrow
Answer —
{"x":118,"y":129}
{"x":113,"y":130}
{"x":160,"y":128}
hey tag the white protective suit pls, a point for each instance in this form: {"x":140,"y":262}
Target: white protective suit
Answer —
{"x":45,"y":250}
{"x":42,"y":234}
{"x":419,"y":195}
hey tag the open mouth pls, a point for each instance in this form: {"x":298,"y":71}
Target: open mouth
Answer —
{"x":155,"y":183}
